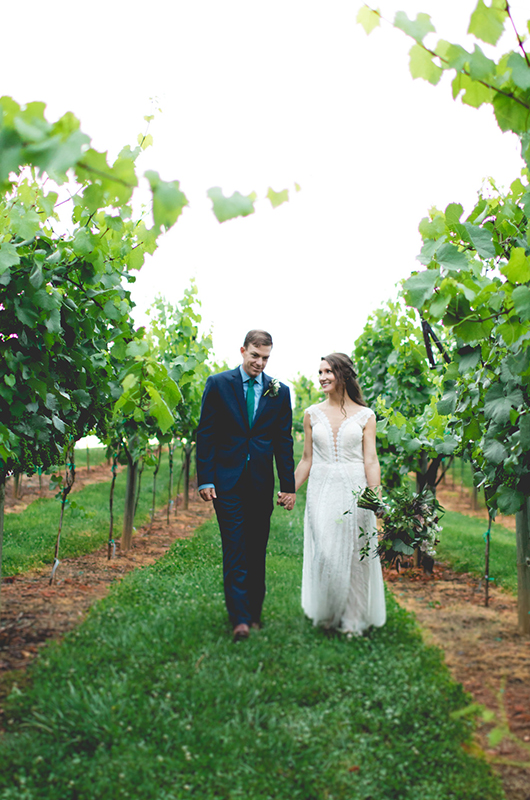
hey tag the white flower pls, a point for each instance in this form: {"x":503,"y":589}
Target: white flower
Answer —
{"x":273,"y":389}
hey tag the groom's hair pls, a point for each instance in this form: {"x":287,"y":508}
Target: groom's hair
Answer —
{"x":258,"y":338}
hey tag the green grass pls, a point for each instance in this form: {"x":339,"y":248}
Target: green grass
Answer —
{"x":149,"y":698}
{"x":29,"y":536}
{"x":462,"y":544}
{"x":96,"y":456}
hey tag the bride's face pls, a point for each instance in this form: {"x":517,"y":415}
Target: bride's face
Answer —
{"x":327,"y":379}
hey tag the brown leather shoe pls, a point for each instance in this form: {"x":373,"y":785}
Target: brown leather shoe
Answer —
{"x":241,"y":632}
{"x":256,"y":626}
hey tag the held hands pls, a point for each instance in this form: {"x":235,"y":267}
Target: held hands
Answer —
{"x":287,"y":500}
{"x":208,"y":494}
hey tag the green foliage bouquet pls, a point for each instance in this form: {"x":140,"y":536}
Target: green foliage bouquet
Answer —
{"x":409,"y":521}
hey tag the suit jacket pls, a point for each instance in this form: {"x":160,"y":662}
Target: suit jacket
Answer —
{"x":226,"y":444}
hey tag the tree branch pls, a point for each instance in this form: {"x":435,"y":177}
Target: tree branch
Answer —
{"x":521,"y":43}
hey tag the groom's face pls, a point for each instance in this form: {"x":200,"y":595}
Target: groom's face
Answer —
{"x":255,"y":358}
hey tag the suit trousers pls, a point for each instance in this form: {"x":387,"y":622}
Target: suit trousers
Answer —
{"x":244,"y":516}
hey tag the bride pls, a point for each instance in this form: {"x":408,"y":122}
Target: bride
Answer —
{"x":339,"y":590}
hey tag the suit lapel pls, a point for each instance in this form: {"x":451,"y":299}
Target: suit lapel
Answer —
{"x":237,"y":385}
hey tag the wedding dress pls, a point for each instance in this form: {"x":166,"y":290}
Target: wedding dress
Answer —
{"x":338,"y":589}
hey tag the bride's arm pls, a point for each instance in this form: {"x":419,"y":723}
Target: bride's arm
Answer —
{"x":371,"y":462}
{"x":301,"y":473}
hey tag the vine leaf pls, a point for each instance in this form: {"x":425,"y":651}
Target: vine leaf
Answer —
{"x":486,"y":23}
{"x":369,"y":19}
{"x":226,"y":208}
{"x":422,"y":65}
{"x":8,"y":256}
{"x":277,"y":198}
{"x":419,"y":287}
{"x":417,"y":28}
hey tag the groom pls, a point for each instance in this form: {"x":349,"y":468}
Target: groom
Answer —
{"x":245,"y":421}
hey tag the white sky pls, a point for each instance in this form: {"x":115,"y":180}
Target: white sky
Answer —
{"x":258,"y":94}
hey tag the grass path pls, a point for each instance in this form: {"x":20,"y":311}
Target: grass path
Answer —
{"x":149,"y":698}
{"x":462,"y":544}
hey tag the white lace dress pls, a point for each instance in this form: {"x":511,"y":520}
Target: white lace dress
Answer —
{"x":338,"y":589}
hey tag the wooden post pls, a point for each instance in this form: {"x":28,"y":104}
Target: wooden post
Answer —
{"x":130,"y":497}
{"x":522,"y":520}
{"x":487,"y":537}
{"x":111,"y":544}
{"x":187,"y":464}
{"x":2,"y":504}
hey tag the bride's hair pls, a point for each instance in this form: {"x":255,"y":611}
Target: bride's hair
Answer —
{"x":346,"y":377}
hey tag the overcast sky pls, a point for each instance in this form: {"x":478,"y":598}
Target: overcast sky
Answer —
{"x":258,"y":94}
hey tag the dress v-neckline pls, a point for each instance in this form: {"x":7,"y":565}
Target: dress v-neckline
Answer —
{"x":335,"y":434}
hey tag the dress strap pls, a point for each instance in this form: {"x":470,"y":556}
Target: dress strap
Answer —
{"x":364,"y":416}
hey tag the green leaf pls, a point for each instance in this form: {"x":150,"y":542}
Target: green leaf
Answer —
{"x":412,"y":445}
{"x":509,"y":500}
{"x":226,"y":208}
{"x":28,"y":316}
{"x":138,"y":347}
{"x":58,"y":423}
{"x":450,"y":257}
{"x":83,"y":243}
{"x":36,"y":277}
{"x":8,"y":256}
{"x":168,"y":200}
{"x":495,"y":452}
{"x":486,"y":23}
{"x":277,"y":198}
{"x":111,"y":310}
{"x":517,"y":270}
{"x":447,"y":404}
{"x":368,"y":18}
{"x":447,"y":446}
{"x":453,"y":212}
{"x":520,"y":71}
{"x":497,"y":404}
{"x":418,"y":28}
{"x":524,"y":431}
{"x":53,"y":322}
{"x":400,"y":547}
{"x":481,"y":239}
{"x":159,"y":409}
{"x":129,"y":381}
{"x":432,"y":229}
{"x":420,"y":287}
{"x":468,"y":358}
{"x":481,"y":68}
{"x":421,"y":65}
{"x":453,"y":56}
{"x":510,"y":114}
{"x":25,"y":222}
{"x":474,"y":92}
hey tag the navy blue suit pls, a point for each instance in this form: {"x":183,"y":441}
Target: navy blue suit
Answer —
{"x":238,"y":460}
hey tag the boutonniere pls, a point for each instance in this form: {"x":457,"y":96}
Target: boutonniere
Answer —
{"x":273,"y":388}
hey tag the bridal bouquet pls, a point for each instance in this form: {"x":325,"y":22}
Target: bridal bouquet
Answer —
{"x":409,"y":520}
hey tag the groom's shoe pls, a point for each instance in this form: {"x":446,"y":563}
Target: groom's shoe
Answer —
{"x":241,"y":631}
{"x":256,"y":626}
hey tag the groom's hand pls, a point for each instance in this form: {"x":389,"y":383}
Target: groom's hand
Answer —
{"x":208,"y":493}
{"x":287,"y":500}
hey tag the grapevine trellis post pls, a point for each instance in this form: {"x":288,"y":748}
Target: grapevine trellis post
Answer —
{"x":523,"y":566}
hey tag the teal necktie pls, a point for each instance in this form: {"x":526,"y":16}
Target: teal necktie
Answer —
{"x":250,"y":401}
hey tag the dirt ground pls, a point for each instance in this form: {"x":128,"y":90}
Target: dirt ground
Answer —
{"x":482,"y":646}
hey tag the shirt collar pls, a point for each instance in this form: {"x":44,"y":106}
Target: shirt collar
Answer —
{"x":258,"y":379}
